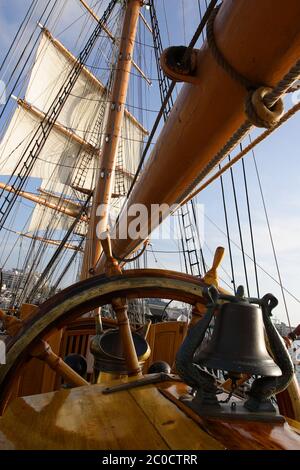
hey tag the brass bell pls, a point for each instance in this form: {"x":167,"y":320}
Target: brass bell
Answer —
{"x":237,"y":344}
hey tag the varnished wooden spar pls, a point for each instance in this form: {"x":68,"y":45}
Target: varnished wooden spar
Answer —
{"x":261,"y":40}
{"x":67,"y":246}
{"x":58,"y":127}
{"x":63,"y":206}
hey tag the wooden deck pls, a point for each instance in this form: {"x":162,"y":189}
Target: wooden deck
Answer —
{"x":137,"y":419}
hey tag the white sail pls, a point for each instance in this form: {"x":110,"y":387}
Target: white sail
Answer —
{"x":49,"y":74}
{"x":44,"y":218}
{"x":56,"y":188}
{"x":59,"y":201}
{"x":84,"y":105}
{"x":79,"y":131}
{"x":57,"y":160}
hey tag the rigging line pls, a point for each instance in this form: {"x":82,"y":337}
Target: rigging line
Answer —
{"x":289,"y":114}
{"x":15,"y":243}
{"x":199,"y":238}
{"x":19,"y":257}
{"x":278,"y":91}
{"x":22,"y":54}
{"x":41,"y":135}
{"x":166,"y":251}
{"x":54,"y":271}
{"x":96,"y":67}
{"x":53,"y":83}
{"x":251,"y":259}
{"x":199,"y":31}
{"x":68,"y":266}
{"x":199,"y":6}
{"x":181,"y":229}
{"x":200,"y":14}
{"x":228,"y":233}
{"x":59,"y":249}
{"x":183,"y":20}
{"x":179,"y":257}
{"x":23,"y":26}
{"x":250,"y":223}
{"x":75,"y":21}
{"x":271,"y":238}
{"x":38,"y":259}
{"x":164,"y":104}
{"x":88,"y":20}
{"x":19,"y":254}
{"x":239,"y":228}
{"x":166,"y":21}
{"x":50,"y":231}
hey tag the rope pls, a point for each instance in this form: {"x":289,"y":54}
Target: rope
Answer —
{"x":18,"y":64}
{"x":250,"y":225}
{"x":219,"y":57}
{"x":23,"y":26}
{"x":283,"y":86}
{"x":228,"y":234}
{"x":240,"y":229}
{"x":259,"y":106}
{"x":251,"y":259}
{"x":246,"y":150}
{"x":231,"y":144}
{"x":205,"y":19}
{"x":272,"y":242}
{"x":130,"y":260}
{"x":199,"y":239}
{"x":58,"y":250}
{"x":259,"y":113}
{"x":196,"y":36}
{"x":261,"y":100}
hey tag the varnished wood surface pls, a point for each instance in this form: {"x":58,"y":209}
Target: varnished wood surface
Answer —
{"x":179,"y":431}
{"x":84,"y":418}
{"x":147,"y":418}
{"x":164,"y":340}
{"x":240,"y":435}
{"x":295,"y":425}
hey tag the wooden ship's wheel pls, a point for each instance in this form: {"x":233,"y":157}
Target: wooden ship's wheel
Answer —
{"x":86,"y":296}
{"x":150,"y":402}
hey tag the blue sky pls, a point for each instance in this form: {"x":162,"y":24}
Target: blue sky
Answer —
{"x":277,"y":159}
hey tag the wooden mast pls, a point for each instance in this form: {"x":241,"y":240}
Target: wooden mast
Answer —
{"x":103,"y":191}
{"x":112,"y":37}
{"x":105,"y":177}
